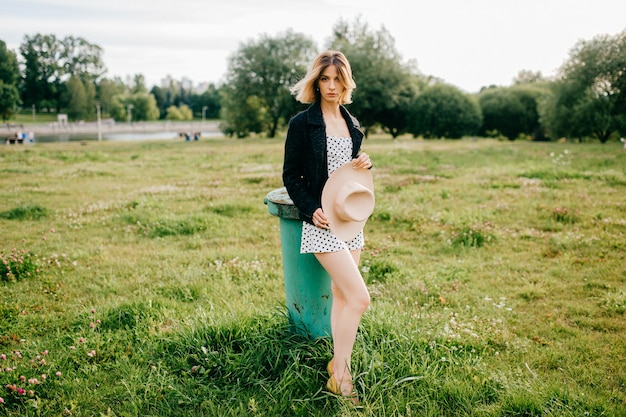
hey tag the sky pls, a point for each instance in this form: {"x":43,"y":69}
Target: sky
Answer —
{"x":466,"y":43}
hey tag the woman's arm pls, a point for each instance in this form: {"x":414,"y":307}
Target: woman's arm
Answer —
{"x":294,"y":170}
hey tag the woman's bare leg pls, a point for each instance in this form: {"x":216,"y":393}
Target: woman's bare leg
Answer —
{"x":338,"y":300}
{"x":350,"y":300}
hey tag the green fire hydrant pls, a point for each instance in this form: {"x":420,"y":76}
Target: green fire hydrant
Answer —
{"x":307,"y":284}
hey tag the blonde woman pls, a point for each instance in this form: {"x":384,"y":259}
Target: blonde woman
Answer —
{"x":320,"y":140}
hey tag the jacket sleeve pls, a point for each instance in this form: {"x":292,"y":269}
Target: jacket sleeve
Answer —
{"x":297,"y":158}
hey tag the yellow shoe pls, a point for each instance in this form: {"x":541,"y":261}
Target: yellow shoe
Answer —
{"x":333,"y":386}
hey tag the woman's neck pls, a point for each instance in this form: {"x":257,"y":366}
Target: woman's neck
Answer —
{"x":331,"y":109}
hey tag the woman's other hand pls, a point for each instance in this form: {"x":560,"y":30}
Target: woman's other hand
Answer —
{"x":363,"y":161}
{"x":319,"y":219}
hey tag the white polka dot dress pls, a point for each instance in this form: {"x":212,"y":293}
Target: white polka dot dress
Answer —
{"x":316,"y":239}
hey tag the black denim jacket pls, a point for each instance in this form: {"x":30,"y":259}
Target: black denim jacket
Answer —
{"x":305,"y":168}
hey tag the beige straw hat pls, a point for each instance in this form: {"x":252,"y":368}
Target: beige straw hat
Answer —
{"x":348,"y":200}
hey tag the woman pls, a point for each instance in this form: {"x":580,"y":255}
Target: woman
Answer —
{"x":319,"y":140}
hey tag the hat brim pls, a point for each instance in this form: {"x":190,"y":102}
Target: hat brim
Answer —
{"x":344,"y":230}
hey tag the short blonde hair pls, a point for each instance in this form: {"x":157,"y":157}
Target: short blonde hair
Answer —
{"x":307,"y":91}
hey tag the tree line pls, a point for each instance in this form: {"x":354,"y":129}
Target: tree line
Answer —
{"x":53,"y":75}
{"x":586,"y":99}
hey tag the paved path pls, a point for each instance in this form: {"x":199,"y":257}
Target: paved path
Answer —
{"x":110,"y":127}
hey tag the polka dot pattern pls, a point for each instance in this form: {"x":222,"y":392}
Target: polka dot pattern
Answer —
{"x":316,"y":239}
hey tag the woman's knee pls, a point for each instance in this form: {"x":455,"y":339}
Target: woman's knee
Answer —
{"x":359,"y":302}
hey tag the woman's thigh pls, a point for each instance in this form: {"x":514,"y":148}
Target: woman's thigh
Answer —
{"x":343,"y":270}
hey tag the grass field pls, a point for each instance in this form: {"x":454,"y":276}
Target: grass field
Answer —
{"x":145,"y":279}
{"x":27,"y":117}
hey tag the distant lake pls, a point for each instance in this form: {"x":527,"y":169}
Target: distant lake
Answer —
{"x":109,"y":136}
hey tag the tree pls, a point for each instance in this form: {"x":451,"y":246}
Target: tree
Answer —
{"x":444,"y":111}
{"x":81,"y":59}
{"x":138,"y":84}
{"x":209,"y":99}
{"x":9,"y":100}
{"x":179,"y":113}
{"x":589,"y":97}
{"x":144,"y":107}
{"x":79,"y":98}
{"x":9,"y":75}
{"x":49,"y":62}
{"x":385,"y":86}
{"x":9,"y":70}
{"x":173,"y":113}
{"x":528,"y":77}
{"x":106,"y":91}
{"x":172,"y":93}
{"x":42,"y":73}
{"x":511,"y":111}
{"x":161,"y":96}
{"x":240,"y":119}
{"x":256,"y":96}
{"x":503,"y":113}
{"x":76,"y":99}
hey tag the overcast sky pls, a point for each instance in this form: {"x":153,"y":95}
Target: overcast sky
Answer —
{"x":467,"y":43}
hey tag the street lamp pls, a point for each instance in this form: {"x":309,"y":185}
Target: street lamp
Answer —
{"x":99,"y":126}
{"x":128,"y":109}
{"x":204,"y":112}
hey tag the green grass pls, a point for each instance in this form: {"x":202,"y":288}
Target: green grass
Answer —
{"x":26,"y":116}
{"x":150,"y":282}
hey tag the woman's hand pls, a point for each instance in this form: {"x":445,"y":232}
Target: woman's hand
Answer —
{"x":319,"y":219}
{"x":363,"y":161}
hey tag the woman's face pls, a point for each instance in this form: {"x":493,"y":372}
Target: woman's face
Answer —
{"x":331,"y":89}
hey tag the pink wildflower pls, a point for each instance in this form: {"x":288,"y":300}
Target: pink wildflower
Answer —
{"x":58,"y":373}
{"x":81,"y":340}
{"x":92,"y":325}
{"x":72,"y":347}
{"x":3,"y":357}
{"x":20,"y":390}
{"x":91,"y":353}
{"x":1,"y":400}
{"x":93,"y":310}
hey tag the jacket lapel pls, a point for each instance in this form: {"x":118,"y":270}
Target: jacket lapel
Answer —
{"x":318,"y":132}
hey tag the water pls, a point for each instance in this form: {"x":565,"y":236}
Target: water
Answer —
{"x":74,"y":137}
